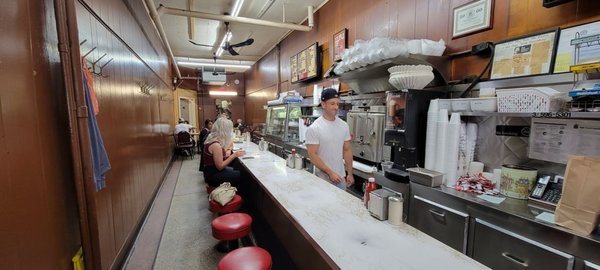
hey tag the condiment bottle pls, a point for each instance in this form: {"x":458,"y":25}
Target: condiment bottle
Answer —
{"x":370,"y":187}
{"x":292,"y":159}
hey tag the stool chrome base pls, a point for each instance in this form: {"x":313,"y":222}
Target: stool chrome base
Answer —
{"x":228,"y":246}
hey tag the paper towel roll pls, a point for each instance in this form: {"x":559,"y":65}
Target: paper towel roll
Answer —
{"x":442,"y":126}
{"x":471,"y":142}
{"x":362,"y":167}
{"x":496,"y":179}
{"x":463,"y":164}
{"x":431,"y":136}
{"x":475,"y":167}
{"x":452,"y":142}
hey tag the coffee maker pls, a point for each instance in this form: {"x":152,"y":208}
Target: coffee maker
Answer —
{"x":405,"y":127}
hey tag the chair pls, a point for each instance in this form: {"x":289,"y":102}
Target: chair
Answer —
{"x":184,"y":143}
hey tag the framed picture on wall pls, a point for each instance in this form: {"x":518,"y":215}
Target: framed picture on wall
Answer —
{"x":340,"y":43}
{"x":577,"y":45}
{"x":472,"y":17}
{"x":524,"y":56}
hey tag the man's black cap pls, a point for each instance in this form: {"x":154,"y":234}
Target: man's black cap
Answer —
{"x":329,"y":93}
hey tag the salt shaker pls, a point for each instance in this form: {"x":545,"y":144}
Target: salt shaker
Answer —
{"x":395,"y":204}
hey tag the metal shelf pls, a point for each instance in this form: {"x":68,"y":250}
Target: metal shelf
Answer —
{"x":576,"y":115}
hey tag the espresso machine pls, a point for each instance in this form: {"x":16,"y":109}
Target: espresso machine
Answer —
{"x":405,"y":127}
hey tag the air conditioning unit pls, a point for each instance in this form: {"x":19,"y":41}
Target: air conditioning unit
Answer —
{"x":213,"y":76}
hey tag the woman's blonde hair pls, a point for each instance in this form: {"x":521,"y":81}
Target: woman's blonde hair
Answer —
{"x":221,"y":132}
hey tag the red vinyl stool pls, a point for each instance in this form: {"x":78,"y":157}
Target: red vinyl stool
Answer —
{"x":246,"y":258}
{"x":230,"y":207}
{"x":229,"y":227}
{"x":209,"y":189}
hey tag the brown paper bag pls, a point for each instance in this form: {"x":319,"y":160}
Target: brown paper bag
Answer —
{"x":579,"y":205}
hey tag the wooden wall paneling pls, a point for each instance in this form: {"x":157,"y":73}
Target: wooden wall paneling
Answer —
{"x":126,"y":119}
{"x":380,"y":18}
{"x":407,"y":17}
{"x":518,"y":17}
{"x":438,"y":14}
{"x":587,"y":10}
{"x":35,"y":171}
{"x":541,"y":18}
{"x":421,"y":12}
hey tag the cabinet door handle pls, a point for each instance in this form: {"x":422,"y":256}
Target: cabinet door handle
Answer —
{"x":437,"y":213}
{"x":514,"y":259}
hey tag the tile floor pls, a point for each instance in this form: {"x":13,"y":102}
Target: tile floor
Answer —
{"x":177,"y":232}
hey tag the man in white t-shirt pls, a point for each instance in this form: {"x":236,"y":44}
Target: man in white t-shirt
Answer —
{"x":329,"y":144}
{"x":182,"y":126}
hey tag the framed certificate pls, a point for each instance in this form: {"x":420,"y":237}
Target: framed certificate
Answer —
{"x":524,"y":56}
{"x":340,"y":43}
{"x":472,"y":17}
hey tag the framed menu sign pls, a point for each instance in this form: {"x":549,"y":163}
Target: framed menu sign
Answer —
{"x":305,"y":65}
{"x":311,"y":62}
{"x":524,"y":56}
{"x":302,"y":65}
{"x":294,"y":69}
{"x":340,"y":43}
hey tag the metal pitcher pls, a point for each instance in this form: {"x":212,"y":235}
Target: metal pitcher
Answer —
{"x":263,"y":145}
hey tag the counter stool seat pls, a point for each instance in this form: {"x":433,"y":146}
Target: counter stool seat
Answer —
{"x":231,"y":226}
{"x":230,"y":207}
{"x":246,"y":258}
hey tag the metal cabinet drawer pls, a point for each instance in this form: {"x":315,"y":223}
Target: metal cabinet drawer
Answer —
{"x":445,"y":224}
{"x":590,"y":266}
{"x":499,"y":248}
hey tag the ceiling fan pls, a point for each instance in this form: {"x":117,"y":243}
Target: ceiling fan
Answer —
{"x":229,"y":47}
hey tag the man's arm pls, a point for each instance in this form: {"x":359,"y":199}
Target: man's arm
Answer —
{"x":348,"y":162}
{"x":312,"y":150}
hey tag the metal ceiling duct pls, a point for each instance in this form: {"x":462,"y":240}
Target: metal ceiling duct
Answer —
{"x":227,"y":18}
{"x":161,"y":31}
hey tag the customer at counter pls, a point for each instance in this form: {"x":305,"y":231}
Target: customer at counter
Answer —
{"x":203,"y":135}
{"x":328,"y":143}
{"x":217,"y":157}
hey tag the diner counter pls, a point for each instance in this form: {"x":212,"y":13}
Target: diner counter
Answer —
{"x":341,"y":226}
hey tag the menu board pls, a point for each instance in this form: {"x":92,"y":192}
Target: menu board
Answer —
{"x":294,"y":69}
{"x":311,"y":61}
{"x":531,"y":55}
{"x":302,"y":65}
{"x":305,"y":65}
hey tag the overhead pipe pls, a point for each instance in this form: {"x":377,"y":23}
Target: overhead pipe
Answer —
{"x":228,"y":18}
{"x":161,"y":31}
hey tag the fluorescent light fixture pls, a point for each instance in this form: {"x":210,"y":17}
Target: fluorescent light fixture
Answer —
{"x":226,"y":38}
{"x":222,"y":93}
{"x":237,"y":7}
{"x":187,"y":63}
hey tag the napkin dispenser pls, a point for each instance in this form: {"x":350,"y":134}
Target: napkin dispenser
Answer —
{"x":378,"y":203}
{"x":425,"y":177}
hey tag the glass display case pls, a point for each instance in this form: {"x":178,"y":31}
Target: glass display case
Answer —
{"x":283,"y":122}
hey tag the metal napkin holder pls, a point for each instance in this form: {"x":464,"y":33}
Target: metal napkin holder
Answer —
{"x":425,"y":177}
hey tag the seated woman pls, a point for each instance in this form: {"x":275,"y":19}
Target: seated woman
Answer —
{"x":217,"y":157}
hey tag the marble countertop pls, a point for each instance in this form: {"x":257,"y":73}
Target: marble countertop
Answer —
{"x":341,"y":225}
